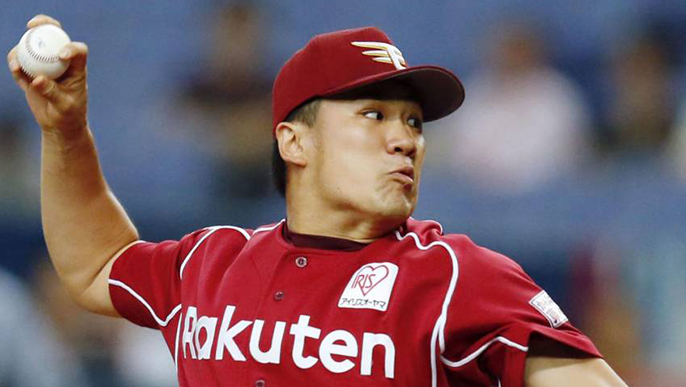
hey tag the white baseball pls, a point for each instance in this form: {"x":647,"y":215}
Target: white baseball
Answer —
{"x":38,"y":48}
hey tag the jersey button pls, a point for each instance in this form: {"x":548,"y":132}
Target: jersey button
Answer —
{"x":278,"y":296}
{"x":260,"y":383}
{"x":301,"y":262}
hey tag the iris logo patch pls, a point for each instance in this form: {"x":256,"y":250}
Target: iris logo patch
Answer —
{"x":370,"y":287}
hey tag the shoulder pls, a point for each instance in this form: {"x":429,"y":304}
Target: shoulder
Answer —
{"x":226,"y":240}
{"x":473,"y":269}
{"x":233,"y":234}
{"x":209,"y":243}
{"x":469,"y":254}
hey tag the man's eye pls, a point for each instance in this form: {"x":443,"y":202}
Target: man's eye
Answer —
{"x":415,"y":122}
{"x":374,"y":115}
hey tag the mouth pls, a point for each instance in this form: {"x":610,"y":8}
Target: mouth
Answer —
{"x":404,"y":174}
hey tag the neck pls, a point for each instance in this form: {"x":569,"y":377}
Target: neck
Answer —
{"x":343,"y":224}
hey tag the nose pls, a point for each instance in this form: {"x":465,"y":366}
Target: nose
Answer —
{"x":401,"y":138}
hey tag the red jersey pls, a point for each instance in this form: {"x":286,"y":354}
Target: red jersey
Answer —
{"x":242,"y":307}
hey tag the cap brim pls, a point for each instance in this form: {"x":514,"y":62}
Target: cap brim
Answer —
{"x":439,"y":91}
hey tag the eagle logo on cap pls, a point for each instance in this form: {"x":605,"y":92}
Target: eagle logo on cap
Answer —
{"x":384,"y":53}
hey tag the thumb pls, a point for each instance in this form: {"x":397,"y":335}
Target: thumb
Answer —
{"x":77,"y":52}
{"x":45,"y":87}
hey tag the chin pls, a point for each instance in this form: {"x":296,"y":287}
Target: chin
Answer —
{"x":397,"y":211}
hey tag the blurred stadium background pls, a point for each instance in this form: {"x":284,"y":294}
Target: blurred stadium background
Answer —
{"x":569,"y":156}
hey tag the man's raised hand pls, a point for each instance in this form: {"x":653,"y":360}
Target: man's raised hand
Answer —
{"x":59,"y":105}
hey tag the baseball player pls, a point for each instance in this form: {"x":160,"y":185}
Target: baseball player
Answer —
{"x":348,"y":290}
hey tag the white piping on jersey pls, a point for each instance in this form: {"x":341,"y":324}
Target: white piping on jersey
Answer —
{"x":439,"y":327}
{"x":267,"y":228}
{"x":478,"y":352}
{"x":215,"y":228}
{"x":434,"y":372}
{"x":440,"y":226}
{"x":176,"y":345}
{"x":211,"y":231}
{"x":160,"y":322}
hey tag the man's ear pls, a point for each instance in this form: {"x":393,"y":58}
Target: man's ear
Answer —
{"x":291,"y":138}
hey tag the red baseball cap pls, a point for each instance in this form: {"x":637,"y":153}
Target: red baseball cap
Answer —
{"x":339,"y":61}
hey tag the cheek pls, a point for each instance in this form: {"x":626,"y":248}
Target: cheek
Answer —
{"x":348,"y":167}
{"x":419,"y":159}
{"x":353,"y":151}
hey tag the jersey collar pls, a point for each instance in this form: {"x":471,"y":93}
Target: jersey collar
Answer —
{"x":320,"y":242}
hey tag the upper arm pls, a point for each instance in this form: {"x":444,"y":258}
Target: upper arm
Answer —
{"x":144,"y":284}
{"x":543,"y":371}
{"x":500,"y":319}
{"x":96,"y":298}
{"x":550,"y":363}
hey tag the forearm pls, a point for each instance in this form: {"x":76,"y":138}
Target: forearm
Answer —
{"x":83,"y":223}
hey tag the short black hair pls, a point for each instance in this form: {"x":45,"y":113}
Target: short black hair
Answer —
{"x":305,"y":113}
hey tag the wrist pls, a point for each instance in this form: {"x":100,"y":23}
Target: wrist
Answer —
{"x":66,"y":140}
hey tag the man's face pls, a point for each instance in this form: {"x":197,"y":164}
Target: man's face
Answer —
{"x":367,"y":156}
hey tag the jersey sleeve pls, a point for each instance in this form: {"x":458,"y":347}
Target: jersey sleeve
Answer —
{"x":495,"y":311}
{"x":145,"y":281}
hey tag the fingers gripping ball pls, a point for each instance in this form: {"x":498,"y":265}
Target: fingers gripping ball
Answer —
{"x":38,"y":50}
